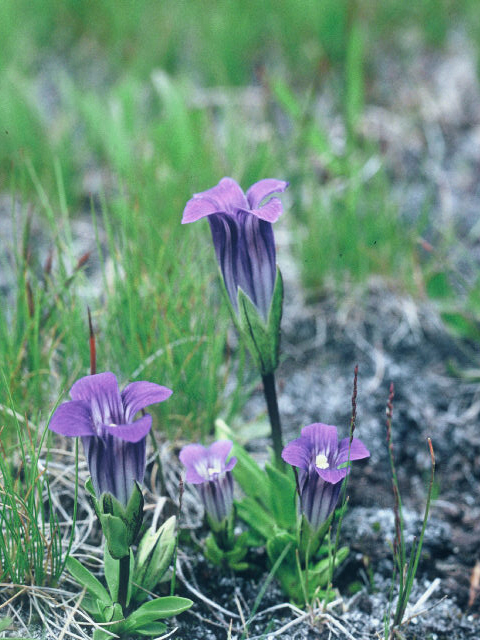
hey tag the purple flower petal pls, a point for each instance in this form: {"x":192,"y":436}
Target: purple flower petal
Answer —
{"x":138,"y":395}
{"x":332,"y":475}
{"x":323,"y":438}
{"x":227,"y":196}
{"x":115,"y":465}
{"x":206,"y":464}
{"x":100,"y":392}
{"x":225,"y":235}
{"x":357,"y":450}
{"x":298,"y":453}
{"x":197,"y":208}
{"x":256,"y":268}
{"x":133,"y":432}
{"x":219,"y":450}
{"x":231,"y":463}
{"x":270,"y":211}
{"x":262,"y":189}
{"x":195,"y":459}
{"x":72,"y":419}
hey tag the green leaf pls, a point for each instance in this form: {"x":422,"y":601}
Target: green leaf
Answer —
{"x":113,"y":613}
{"x":156,"y":610}
{"x":276,"y":545}
{"x":212,"y":551}
{"x":247,"y":473}
{"x":286,"y":571}
{"x":309,"y":540}
{"x":102,"y":634}
{"x":256,"y":516}
{"x":134,"y":514}
{"x":152,"y":629}
{"x":275,"y":317}
{"x":87,"y":580}
{"x":255,"y":334}
{"x":116,"y":535}
{"x":112,"y":574}
{"x":153,"y":556}
{"x":282,"y":496}
{"x":319,"y":575}
{"x":93,"y":607}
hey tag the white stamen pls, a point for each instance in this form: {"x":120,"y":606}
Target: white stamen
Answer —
{"x":321,"y":461}
{"x":214,"y":470}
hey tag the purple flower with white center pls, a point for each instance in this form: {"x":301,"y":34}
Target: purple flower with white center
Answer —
{"x":242,"y":235}
{"x":114,"y":443}
{"x":208,"y":469}
{"x":321,"y":460}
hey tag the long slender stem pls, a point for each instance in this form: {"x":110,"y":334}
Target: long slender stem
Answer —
{"x":123,"y":580}
{"x":274,"y":416}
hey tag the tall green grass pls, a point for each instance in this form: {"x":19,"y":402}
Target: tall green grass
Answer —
{"x":111,"y":89}
{"x":33,"y":542}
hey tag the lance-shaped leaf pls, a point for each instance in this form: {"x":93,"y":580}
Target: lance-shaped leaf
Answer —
{"x":120,"y":524}
{"x":153,"y":557}
{"x":112,"y":574}
{"x":262,"y":338}
{"x":86,"y":579}
{"x":155,"y":610}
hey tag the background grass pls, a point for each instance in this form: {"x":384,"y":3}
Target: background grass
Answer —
{"x":110,"y":114}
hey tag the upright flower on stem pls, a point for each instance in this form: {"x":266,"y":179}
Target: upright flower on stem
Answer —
{"x":114,"y":442}
{"x":242,"y":233}
{"x":322,"y":463}
{"x":208,"y":469}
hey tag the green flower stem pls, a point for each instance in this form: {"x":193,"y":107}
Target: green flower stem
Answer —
{"x":124,"y":578}
{"x":274,"y":416}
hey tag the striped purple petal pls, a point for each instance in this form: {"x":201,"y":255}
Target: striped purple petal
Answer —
{"x":242,"y":235}
{"x":115,"y":465}
{"x":101,"y":392}
{"x":263,"y":189}
{"x":357,"y":450}
{"x":114,"y":444}
{"x":72,"y":419}
{"x":208,"y":469}
{"x":298,"y":453}
{"x":227,"y":196}
{"x":138,"y":395}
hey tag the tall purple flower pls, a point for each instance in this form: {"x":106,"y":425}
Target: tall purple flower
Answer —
{"x":321,"y":460}
{"x":208,"y":469}
{"x":114,"y":443}
{"x":242,"y":235}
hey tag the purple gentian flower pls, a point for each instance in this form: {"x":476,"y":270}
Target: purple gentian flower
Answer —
{"x":114,"y":443}
{"x":242,"y":236}
{"x":321,"y":460}
{"x":208,"y":469}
